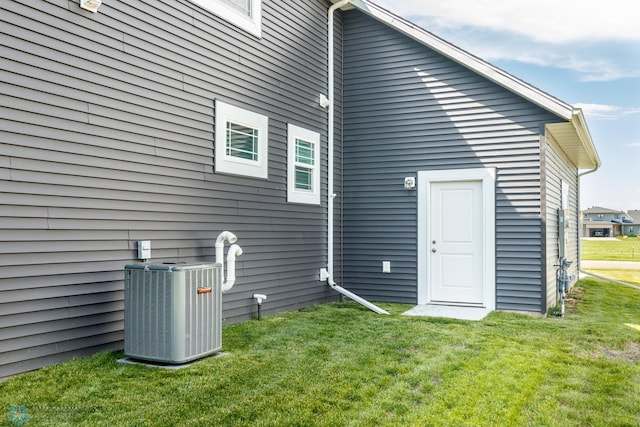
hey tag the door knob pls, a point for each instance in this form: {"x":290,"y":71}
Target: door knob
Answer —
{"x":433,"y":250}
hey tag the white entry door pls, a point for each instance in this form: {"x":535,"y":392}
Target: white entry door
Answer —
{"x":455,"y":231}
{"x":456,"y":237}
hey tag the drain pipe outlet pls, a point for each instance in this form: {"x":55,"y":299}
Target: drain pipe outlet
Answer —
{"x":259,"y":298}
{"x":234,"y":251}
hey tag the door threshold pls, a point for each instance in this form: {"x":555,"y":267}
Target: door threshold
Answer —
{"x":449,"y":311}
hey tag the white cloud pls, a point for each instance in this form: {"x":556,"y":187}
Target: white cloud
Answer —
{"x":600,"y":43}
{"x":592,"y":64}
{"x":550,"y":21}
{"x":603,"y":111}
{"x":634,"y":145}
{"x":598,"y":110}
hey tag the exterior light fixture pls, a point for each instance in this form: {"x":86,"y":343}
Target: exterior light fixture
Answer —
{"x":91,"y":5}
{"x":323,"y":101}
{"x":409,"y":183}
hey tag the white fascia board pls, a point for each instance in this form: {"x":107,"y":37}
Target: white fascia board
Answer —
{"x":580,"y":124}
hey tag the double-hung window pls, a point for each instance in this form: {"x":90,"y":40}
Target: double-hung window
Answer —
{"x":245,"y":14}
{"x":303,"y":162}
{"x":241,"y":141}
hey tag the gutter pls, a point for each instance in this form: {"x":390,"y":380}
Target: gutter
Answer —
{"x":328,"y":273}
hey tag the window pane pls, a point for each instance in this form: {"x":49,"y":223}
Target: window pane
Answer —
{"x":303,"y":178}
{"x":242,"y":6}
{"x":242,"y":141}
{"x":304,"y":152}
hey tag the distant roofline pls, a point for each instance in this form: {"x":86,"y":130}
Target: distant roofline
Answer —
{"x":600,"y":209}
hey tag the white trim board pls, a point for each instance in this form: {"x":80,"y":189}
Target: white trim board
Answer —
{"x":425,"y":179}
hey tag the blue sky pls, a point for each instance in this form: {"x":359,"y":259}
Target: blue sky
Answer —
{"x":584,"y":52}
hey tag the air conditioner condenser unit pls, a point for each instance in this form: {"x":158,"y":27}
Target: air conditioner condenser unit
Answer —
{"x":172,"y":312}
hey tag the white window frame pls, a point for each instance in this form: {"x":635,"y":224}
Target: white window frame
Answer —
{"x":235,"y":165}
{"x":295,"y":195}
{"x":251,"y":24}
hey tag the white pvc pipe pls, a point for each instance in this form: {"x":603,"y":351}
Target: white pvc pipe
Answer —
{"x":225,"y":235}
{"x":231,"y":238}
{"x":234,"y":251}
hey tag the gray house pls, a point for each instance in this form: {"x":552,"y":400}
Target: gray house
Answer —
{"x":604,"y":222}
{"x":372,"y":155}
{"x":631,"y":223}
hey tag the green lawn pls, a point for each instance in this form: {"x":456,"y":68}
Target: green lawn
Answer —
{"x":611,"y":250}
{"x":342,"y":365}
{"x":627,"y":276}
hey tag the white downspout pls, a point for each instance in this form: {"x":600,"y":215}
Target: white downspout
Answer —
{"x":580,"y":175}
{"x":330,"y":192}
{"x":330,"y":134}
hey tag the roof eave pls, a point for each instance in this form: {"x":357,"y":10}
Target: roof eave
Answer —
{"x":575,"y":140}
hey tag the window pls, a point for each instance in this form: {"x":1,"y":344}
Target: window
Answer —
{"x":599,"y":217}
{"x":245,"y":14}
{"x":303,"y":160}
{"x":241,"y":141}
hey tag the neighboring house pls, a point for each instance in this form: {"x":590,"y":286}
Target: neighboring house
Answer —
{"x":603,"y":222}
{"x":173,"y":120}
{"x":631,"y":223}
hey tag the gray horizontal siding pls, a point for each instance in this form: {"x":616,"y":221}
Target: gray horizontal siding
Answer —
{"x":558,"y":169}
{"x":106,"y":138}
{"x":408,"y":108}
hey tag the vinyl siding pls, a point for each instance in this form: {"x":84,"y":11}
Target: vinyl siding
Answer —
{"x":558,"y":168}
{"x":106,"y":138}
{"x":406,"y":109}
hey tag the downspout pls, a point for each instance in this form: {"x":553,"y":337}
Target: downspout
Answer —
{"x":330,"y":134}
{"x":580,"y":175}
{"x":580,"y":270}
{"x":330,"y":168}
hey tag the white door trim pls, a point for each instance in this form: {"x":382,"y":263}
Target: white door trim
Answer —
{"x":425,"y":179}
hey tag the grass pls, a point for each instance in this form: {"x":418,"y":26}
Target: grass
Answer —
{"x":342,"y":365}
{"x":611,"y":250}
{"x":628,"y":276}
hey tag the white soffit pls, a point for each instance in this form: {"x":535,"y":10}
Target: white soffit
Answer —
{"x":575,"y":141}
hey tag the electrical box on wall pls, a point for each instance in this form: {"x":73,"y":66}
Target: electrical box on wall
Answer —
{"x":563,"y":232}
{"x":144,"y":249}
{"x":386,"y":266}
{"x":563,"y":220}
